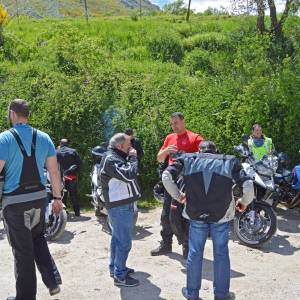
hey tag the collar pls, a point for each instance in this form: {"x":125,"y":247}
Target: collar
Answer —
{"x":120,"y":153}
{"x":18,"y":125}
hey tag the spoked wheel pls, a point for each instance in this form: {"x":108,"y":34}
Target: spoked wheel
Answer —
{"x":256,"y":225}
{"x":56,"y":225}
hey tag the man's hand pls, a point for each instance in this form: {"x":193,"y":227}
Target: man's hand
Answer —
{"x":132,"y":152}
{"x":182,"y":198}
{"x":171,"y":149}
{"x":57,"y":206}
{"x":239,"y":206}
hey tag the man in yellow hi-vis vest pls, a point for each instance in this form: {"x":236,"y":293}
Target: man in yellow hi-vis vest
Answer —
{"x":259,"y":144}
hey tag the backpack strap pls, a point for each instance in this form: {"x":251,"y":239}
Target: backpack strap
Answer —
{"x":19,"y":142}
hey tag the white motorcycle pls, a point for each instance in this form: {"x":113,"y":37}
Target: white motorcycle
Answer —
{"x":258,"y":223}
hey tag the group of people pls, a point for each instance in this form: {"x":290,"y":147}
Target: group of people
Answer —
{"x":197,"y":202}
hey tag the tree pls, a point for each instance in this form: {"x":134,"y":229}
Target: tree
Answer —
{"x":3,"y":21}
{"x":175,"y":8}
{"x":188,"y":11}
{"x":260,"y":6}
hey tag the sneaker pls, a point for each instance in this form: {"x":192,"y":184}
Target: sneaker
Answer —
{"x":162,"y":249}
{"x":185,"y":251}
{"x":54,"y":291}
{"x":128,"y":281}
{"x":231,"y":296}
{"x":185,"y":295}
{"x":129,"y":271}
{"x":11,"y":298}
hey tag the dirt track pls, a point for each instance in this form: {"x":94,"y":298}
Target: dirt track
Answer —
{"x":83,"y":251}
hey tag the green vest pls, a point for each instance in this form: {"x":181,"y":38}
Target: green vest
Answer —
{"x":259,"y":152}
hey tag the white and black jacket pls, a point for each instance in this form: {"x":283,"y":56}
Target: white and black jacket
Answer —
{"x":118,"y":178}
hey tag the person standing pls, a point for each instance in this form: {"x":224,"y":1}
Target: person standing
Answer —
{"x":70,"y":163}
{"x":24,"y":151}
{"x":259,"y":144}
{"x":118,"y":179}
{"x":208,"y":179}
{"x":180,"y":141}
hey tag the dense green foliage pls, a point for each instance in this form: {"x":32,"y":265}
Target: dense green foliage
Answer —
{"x":86,"y":81}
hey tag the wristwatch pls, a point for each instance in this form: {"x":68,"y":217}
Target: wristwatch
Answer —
{"x":56,"y":198}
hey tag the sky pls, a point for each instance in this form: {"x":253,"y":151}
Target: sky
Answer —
{"x":201,"y":5}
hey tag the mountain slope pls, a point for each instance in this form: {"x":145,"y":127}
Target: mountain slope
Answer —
{"x":61,"y":8}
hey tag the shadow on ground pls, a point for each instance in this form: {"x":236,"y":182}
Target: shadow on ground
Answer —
{"x":146,"y":290}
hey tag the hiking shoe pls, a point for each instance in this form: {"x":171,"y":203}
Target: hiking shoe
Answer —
{"x":185,"y":251}
{"x":128,"y":281}
{"x":54,"y":291}
{"x":162,"y":249}
{"x":129,"y":271}
{"x":231,"y":296}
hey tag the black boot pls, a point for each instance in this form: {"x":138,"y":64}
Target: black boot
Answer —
{"x":162,"y":249}
{"x":185,"y":251}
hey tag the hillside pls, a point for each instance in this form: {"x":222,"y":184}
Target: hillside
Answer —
{"x":87,"y":82}
{"x":62,"y":8}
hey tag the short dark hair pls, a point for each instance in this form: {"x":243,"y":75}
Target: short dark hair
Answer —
{"x":177,"y":115}
{"x":20,"y":107}
{"x":64,"y":142}
{"x":256,"y":125}
{"x":128,"y":131}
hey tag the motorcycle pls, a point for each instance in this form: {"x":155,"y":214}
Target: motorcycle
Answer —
{"x":258,"y":223}
{"x":288,"y":183}
{"x":98,"y":201}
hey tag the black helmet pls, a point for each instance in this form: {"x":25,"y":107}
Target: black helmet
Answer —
{"x":283,"y":159}
{"x":208,"y":147}
{"x":98,"y":153}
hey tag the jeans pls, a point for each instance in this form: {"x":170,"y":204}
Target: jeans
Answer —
{"x":197,"y":238}
{"x":25,"y":225}
{"x":121,"y":218}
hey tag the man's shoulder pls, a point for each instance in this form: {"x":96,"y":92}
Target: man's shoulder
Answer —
{"x":6,"y":135}
{"x":42,"y":135}
{"x":192,"y":133}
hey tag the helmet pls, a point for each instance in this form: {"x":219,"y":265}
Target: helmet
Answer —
{"x":98,"y":153}
{"x":283,"y":159}
{"x":208,"y":147}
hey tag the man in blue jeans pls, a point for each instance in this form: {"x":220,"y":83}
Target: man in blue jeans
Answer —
{"x":118,"y":179}
{"x":208,"y":179}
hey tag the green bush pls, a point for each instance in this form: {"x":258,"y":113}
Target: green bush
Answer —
{"x":198,"y":60}
{"x":166,"y":48}
{"x":212,"y":41}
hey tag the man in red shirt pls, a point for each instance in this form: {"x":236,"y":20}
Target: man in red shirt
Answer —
{"x":181,"y":140}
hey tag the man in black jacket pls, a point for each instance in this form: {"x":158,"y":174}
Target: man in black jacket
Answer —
{"x":68,"y":157}
{"x":208,"y":179}
{"x":118,"y":179}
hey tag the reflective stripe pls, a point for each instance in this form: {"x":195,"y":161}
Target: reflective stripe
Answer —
{"x":7,"y":200}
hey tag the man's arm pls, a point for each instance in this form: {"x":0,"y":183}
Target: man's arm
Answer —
{"x":169,"y":178}
{"x":52,"y":167}
{"x":78,"y":161}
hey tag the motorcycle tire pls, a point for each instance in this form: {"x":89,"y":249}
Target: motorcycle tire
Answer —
{"x":253,"y":243}
{"x":56,"y":229}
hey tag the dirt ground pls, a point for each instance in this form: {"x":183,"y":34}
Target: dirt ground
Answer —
{"x":82,"y":254}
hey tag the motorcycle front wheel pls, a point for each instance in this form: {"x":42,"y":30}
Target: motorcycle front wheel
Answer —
{"x":256,"y":225}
